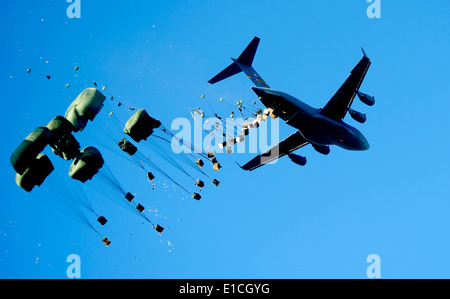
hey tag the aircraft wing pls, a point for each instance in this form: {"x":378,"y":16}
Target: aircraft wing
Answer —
{"x":336,"y":107}
{"x":288,"y":145}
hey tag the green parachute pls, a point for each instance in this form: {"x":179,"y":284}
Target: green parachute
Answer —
{"x":84,"y":108}
{"x":33,"y":167}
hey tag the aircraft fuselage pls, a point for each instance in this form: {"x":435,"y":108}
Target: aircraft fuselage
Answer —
{"x":314,"y":126}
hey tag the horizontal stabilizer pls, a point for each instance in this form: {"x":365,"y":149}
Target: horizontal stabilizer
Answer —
{"x":231,"y":70}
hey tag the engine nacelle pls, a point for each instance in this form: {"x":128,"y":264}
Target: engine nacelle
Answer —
{"x":358,"y":116}
{"x":365,"y":98}
{"x":300,"y":160}
{"x":323,"y":149}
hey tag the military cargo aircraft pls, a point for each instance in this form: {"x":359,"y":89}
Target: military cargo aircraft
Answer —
{"x":319,"y":127}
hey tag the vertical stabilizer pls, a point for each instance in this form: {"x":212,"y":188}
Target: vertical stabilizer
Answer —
{"x":243,"y":63}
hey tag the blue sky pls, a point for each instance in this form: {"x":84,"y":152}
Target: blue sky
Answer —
{"x":281,"y":221}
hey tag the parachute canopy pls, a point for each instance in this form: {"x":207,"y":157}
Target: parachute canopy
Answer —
{"x":140,"y":125}
{"x":86,"y":165}
{"x":39,"y":169}
{"x":62,"y":142}
{"x":27,"y":151}
{"x":84,"y":108}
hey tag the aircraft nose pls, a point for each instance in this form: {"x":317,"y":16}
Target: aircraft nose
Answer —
{"x":365,"y":144}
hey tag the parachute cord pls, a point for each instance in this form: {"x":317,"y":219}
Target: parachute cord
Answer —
{"x":112,"y":98}
{"x":189,"y":163}
{"x":70,"y":198}
{"x":210,"y":107}
{"x":42,"y":75}
{"x":215,"y":136}
{"x":138,"y":161}
{"x":93,"y":228}
{"x":240,"y":110}
{"x":191,"y":146}
{"x":71,"y":194}
{"x":148,"y":220}
{"x":224,"y":125}
{"x":117,"y":122}
{"x":170,"y":159}
{"x":244,"y":107}
{"x":106,"y":173}
{"x":164,"y":173}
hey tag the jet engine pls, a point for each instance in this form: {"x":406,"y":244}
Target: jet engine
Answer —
{"x":300,"y":160}
{"x":358,"y":116}
{"x":365,"y":98}
{"x":323,"y":149}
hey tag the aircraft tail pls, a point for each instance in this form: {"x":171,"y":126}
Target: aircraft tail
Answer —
{"x":231,"y":70}
{"x":243,"y":63}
